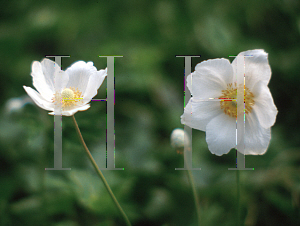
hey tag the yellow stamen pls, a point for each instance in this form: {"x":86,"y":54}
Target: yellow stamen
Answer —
{"x":230,"y":106}
{"x":69,"y":97}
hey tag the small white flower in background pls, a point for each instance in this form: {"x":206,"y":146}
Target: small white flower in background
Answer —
{"x":77,"y":85}
{"x":216,"y":79}
{"x":16,"y":104}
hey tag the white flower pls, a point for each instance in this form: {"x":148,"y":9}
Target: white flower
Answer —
{"x":75,"y":87}
{"x":215,"y":79}
{"x":16,"y":104}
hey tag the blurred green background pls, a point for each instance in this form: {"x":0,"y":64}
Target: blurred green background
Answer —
{"x":149,"y":103}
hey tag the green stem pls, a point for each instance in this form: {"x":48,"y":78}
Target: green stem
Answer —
{"x":196,"y":200}
{"x":238,"y":197}
{"x":101,"y":175}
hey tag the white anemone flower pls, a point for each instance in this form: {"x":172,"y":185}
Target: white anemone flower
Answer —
{"x":216,"y":79}
{"x":75,"y":87}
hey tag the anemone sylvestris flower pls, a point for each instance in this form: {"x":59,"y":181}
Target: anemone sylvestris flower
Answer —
{"x":73,"y":88}
{"x":215,"y":79}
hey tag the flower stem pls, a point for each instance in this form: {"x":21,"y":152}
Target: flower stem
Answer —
{"x":196,"y":200}
{"x":238,"y":198}
{"x":192,"y":183}
{"x":101,"y":175}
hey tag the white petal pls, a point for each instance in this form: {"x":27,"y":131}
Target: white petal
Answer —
{"x":73,"y":111}
{"x":42,"y":76}
{"x":197,"y":114}
{"x":79,"y":74}
{"x":264,"y":106}
{"x":38,"y":99}
{"x":94,"y":84}
{"x":90,"y":63}
{"x":210,"y":78}
{"x":221,"y":134}
{"x":257,"y":138}
{"x":257,"y":67}
{"x":61,"y":80}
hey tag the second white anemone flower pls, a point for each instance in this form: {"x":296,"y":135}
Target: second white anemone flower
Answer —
{"x":215,"y":79}
{"x":73,"y":88}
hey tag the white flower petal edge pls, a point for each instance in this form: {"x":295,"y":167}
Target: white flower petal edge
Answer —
{"x":258,"y":68}
{"x":264,"y":106}
{"x":79,"y":74}
{"x":38,"y":99}
{"x":209,"y":78}
{"x":73,"y":111}
{"x":43,"y":77}
{"x":94,"y":83}
{"x":198,"y":113}
{"x":256,"y":138}
{"x":221,"y":134}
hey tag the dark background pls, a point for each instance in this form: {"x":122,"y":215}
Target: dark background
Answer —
{"x":149,"y":103}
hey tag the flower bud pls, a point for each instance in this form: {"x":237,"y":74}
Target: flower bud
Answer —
{"x":179,"y":138}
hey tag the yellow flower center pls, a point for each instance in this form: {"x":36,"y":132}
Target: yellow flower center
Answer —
{"x":67,"y":94}
{"x":69,"y":97}
{"x":230,"y":106}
